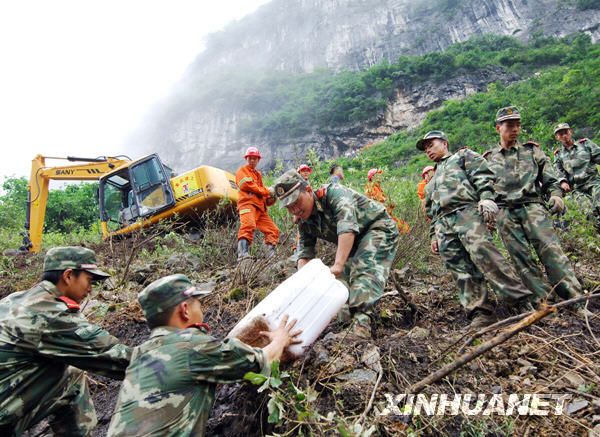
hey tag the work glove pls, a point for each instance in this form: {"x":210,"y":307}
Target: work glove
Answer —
{"x":557,"y":205}
{"x":488,"y":210}
{"x":264,"y":192}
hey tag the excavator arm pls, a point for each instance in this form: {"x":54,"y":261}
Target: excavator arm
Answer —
{"x":89,"y":170}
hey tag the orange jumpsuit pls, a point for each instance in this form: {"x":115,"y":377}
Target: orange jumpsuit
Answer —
{"x":373,"y":191}
{"x":252,"y":206}
{"x":421,"y":194}
{"x":421,"y":189}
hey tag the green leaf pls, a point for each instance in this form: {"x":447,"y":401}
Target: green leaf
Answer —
{"x":275,"y":408}
{"x":255,"y":378}
{"x":275,"y":369}
{"x":344,"y":431}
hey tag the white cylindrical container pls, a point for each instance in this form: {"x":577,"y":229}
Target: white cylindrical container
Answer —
{"x":312,"y":295}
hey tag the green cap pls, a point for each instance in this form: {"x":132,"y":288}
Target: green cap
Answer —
{"x":430,"y":135}
{"x":561,"y":126}
{"x":287,"y":187}
{"x":165,"y":293}
{"x":508,"y":113}
{"x":73,"y":257}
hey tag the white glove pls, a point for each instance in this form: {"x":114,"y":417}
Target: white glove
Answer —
{"x":556,"y":204}
{"x":488,"y":209}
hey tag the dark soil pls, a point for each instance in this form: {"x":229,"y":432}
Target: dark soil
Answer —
{"x":556,"y":355}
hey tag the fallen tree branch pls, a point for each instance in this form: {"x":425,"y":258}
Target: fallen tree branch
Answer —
{"x":481,"y":349}
{"x":407,"y":300}
{"x":587,"y":323}
{"x":518,"y":317}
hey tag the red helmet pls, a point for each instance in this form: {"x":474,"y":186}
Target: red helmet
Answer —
{"x":425,"y":170}
{"x":372,"y":172}
{"x":252,"y":151}
{"x":304,"y":167}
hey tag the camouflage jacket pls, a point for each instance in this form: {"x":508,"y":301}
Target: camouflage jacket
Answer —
{"x":40,"y":335}
{"x":169,"y":387}
{"x":523,"y":174}
{"x":460,"y":179}
{"x":577,"y":165}
{"x":338,"y":210}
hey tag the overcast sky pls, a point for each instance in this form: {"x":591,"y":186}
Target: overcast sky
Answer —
{"x":78,"y":76}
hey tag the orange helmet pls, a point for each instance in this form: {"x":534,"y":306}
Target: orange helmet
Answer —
{"x":372,"y":172}
{"x":252,"y":151}
{"x":425,"y":170}
{"x":304,"y":167}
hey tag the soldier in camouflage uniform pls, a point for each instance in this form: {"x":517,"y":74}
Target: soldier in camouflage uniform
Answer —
{"x":459,"y":201}
{"x":523,"y":174}
{"x":169,"y":387}
{"x":45,"y":341}
{"x":576,"y":162}
{"x":365,"y":235}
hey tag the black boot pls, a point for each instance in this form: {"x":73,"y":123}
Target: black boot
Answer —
{"x":242,"y":249}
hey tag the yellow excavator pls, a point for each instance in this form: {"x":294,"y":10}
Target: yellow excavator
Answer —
{"x":131,"y":194}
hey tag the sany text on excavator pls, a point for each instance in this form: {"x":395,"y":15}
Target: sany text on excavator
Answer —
{"x":131,"y":194}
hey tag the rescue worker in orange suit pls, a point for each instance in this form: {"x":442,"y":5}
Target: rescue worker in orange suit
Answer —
{"x":426,"y":174}
{"x":304,"y":171}
{"x":373,"y":191}
{"x":253,"y":200}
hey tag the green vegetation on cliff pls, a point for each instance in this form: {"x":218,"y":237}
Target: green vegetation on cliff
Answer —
{"x":567,"y":92}
{"x":286,"y":105}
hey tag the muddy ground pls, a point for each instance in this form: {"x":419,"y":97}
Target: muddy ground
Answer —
{"x":340,"y":374}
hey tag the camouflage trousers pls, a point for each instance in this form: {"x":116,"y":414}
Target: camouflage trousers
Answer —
{"x":590,"y":191}
{"x":527,"y":224}
{"x":366,"y":271}
{"x":68,"y":400}
{"x":468,"y":251}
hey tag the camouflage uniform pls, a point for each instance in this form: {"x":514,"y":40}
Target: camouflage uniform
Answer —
{"x":523,"y":174}
{"x":577,"y":165}
{"x":169,"y":387}
{"x":43,"y":334}
{"x":339,"y":210}
{"x":465,"y":245}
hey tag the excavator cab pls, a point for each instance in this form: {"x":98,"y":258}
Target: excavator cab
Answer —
{"x":135,"y":191}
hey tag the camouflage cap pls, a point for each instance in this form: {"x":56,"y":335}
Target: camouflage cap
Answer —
{"x":429,"y":136}
{"x":507,"y":113}
{"x":165,"y":293}
{"x":287,"y":187}
{"x":561,"y":126}
{"x":73,"y":257}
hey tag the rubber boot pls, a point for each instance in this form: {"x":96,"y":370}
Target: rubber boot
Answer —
{"x":242,"y":249}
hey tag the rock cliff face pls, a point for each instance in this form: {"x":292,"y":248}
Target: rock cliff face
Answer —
{"x":300,"y":35}
{"x":213,"y":136}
